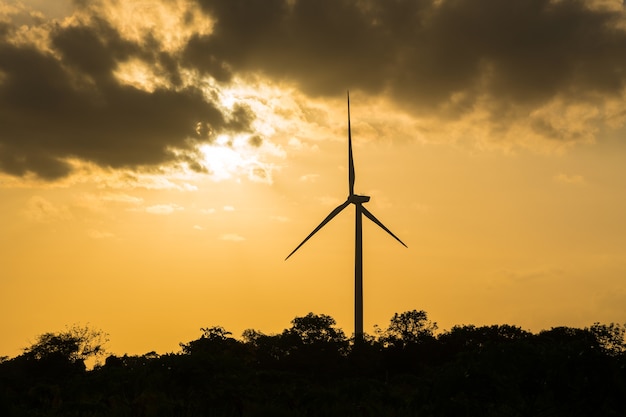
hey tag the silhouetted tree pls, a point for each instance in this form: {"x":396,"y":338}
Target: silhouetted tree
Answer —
{"x":216,"y":349}
{"x":214,"y":339}
{"x":471,"y":338}
{"x":610,"y":337}
{"x":311,"y":369}
{"x":407,"y":343}
{"x":67,"y":350}
{"x":409,"y":327}
{"x":316,"y":329}
{"x":312,"y":343}
{"x":268,"y":351}
{"x":76,"y":344}
{"x":572,"y":340}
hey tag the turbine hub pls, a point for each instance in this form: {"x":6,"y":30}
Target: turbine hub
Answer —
{"x":358,"y":199}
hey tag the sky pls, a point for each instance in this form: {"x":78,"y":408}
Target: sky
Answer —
{"x":160,"y":159}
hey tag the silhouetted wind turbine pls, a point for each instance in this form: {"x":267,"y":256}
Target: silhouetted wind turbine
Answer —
{"x":358,"y":201}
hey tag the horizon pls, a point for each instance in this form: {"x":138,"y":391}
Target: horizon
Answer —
{"x":158,"y":161}
{"x":428,"y":329}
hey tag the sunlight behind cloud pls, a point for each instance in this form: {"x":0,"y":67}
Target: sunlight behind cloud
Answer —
{"x":233,"y":157}
{"x":222,"y":162}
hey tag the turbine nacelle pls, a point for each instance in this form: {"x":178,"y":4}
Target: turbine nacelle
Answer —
{"x":358,"y":199}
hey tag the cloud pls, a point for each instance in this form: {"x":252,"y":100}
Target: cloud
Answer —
{"x":228,"y":208}
{"x":40,"y":210}
{"x":56,"y":9}
{"x":122,"y":198}
{"x":531,"y":275}
{"x":482,"y":61}
{"x":570,"y":179}
{"x":260,"y":173}
{"x":255,"y":141}
{"x":164,"y":209}
{"x":63,"y":97}
{"x":124,"y":179}
{"x":232,"y":237}
{"x":98,"y":202}
{"x":295,"y":143}
{"x":309,"y":177}
{"x":425,"y":51}
{"x":135,"y":85}
{"x":281,"y":219}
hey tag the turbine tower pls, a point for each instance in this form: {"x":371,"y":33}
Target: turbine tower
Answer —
{"x":358,"y":201}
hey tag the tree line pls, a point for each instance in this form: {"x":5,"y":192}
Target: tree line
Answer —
{"x":313,"y":369}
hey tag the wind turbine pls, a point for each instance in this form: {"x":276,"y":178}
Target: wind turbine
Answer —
{"x":358,"y":201}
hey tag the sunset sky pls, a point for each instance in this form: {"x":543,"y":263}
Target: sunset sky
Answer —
{"x":160,"y":159}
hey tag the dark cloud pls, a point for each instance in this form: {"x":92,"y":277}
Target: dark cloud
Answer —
{"x":93,"y":50}
{"x":438,"y":58}
{"x":422,"y":52}
{"x":255,"y":141}
{"x":68,"y":104}
{"x":325,"y":45}
{"x":241,"y":118}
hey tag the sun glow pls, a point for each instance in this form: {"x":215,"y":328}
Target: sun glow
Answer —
{"x":221,"y":161}
{"x":231,"y":158}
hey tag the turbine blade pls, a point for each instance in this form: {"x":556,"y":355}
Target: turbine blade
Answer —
{"x":375,"y":220}
{"x":351,"y":176}
{"x":328,"y":218}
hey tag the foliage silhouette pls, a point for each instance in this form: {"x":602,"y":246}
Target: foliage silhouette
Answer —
{"x":312,"y":369}
{"x":408,"y":328}
{"x":76,"y":344}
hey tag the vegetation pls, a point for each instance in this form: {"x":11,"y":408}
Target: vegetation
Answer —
{"x":313,"y":369}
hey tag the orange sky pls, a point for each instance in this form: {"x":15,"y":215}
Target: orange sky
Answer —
{"x":158,"y":162}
